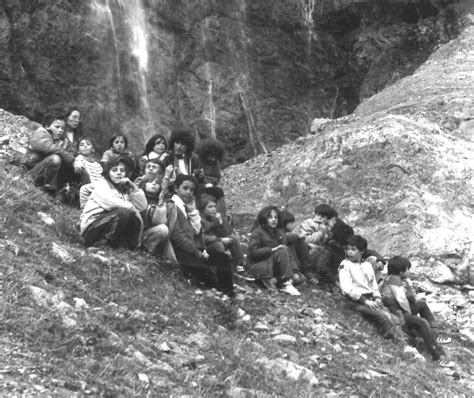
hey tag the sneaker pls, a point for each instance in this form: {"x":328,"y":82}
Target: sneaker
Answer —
{"x":443,"y":340}
{"x":290,"y":289}
{"x":445,"y":364}
{"x":244,"y":277}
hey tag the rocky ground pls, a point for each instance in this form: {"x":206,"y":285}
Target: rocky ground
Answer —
{"x":81,"y":322}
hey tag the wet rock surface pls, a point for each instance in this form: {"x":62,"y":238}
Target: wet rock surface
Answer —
{"x":240,"y":69}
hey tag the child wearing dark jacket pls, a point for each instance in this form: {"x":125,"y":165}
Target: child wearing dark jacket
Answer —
{"x":394,"y":296}
{"x":217,"y":233}
{"x":268,"y":255}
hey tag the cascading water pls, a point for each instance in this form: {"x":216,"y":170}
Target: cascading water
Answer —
{"x":128,"y":16}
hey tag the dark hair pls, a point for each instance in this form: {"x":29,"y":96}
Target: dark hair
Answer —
{"x":115,"y":136}
{"x":205,"y":199}
{"x":158,"y":162}
{"x":357,"y":241}
{"x":151,"y":143}
{"x":86,"y":138}
{"x":341,"y":232}
{"x":284,"y":218}
{"x":397,"y":265}
{"x":325,"y":210}
{"x":78,"y":130}
{"x":185,"y":137}
{"x":182,"y":178}
{"x":262,"y":217}
{"x":50,"y":118}
{"x":113,"y":163}
{"x":210,"y":147}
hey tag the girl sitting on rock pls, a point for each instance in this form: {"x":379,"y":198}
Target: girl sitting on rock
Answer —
{"x":155,"y":148}
{"x":50,"y":155}
{"x":268,"y":255}
{"x":184,"y":223}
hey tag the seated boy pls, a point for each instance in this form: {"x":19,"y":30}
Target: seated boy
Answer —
{"x":358,"y":283}
{"x":317,"y":230}
{"x":217,"y":233}
{"x":394,"y":296}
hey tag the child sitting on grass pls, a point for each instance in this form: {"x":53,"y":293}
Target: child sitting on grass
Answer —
{"x":396,"y":299}
{"x":358,"y":284}
{"x":50,"y":155}
{"x":86,"y":164}
{"x":268,"y":254}
{"x":217,"y":233}
{"x":155,"y":148}
{"x":299,"y":249}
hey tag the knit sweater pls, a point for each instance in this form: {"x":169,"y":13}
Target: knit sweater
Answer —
{"x":357,"y":279}
{"x":106,"y":197}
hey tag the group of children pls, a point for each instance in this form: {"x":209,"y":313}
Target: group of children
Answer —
{"x":168,"y":201}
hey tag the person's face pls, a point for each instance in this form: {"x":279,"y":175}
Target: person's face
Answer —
{"x":185,"y":191}
{"x":211,"y":159}
{"x":273,"y":219}
{"x":119,"y":144}
{"x":159,"y":146}
{"x":353,"y":253}
{"x":85,"y":147}
{"x":151,"y":170}
{"x":320,"y":219}
{"x":290,"y":226}
{"x":57,"y":129}
{"x":179,"y":148}
{"x":117,"y":173}
{"x":210,"y":209}
{"x":74,"y":119}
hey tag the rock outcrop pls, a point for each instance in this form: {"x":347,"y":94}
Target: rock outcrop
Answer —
{"x":252,"y":72}
{"x":400,"y":169}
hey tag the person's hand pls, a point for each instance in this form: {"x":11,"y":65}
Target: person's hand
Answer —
{"x":372,"y":305}
{"x":152,"y":187}
{"x":219,"y":217}
{"x":274,"y":249}
{"x":226,"y":241}
{"x":205,"y":255}
{"x":191,"y":204}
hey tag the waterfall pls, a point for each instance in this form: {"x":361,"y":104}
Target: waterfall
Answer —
{"x":127,"y":19}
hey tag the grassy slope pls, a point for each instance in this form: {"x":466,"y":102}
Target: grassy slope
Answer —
{"x":136,"y":304}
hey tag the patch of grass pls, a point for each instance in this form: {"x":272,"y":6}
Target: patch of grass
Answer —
{"x":135,"y":303}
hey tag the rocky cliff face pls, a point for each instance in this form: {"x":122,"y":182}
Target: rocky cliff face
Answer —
{"x":400,"y":169}
{"x":255,"y":73}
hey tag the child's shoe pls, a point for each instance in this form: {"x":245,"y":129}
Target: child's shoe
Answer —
{"x":445,"y":364}
{"x":290,"y":289}
{"x":443,"y":340}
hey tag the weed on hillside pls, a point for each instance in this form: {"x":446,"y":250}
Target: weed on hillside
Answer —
{"x":119,"y":323}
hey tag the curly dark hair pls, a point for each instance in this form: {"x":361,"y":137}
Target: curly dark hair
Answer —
{"x":49,"y":118}
{"x":151,"y":144}
{"x":210,"y":147}
{"x":185,"y":137}
{"x":113,"y":163}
